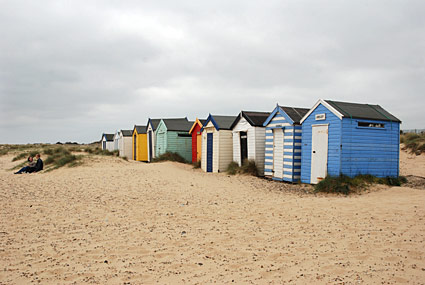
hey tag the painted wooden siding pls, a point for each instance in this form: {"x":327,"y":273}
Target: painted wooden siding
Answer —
{"x":204,"y":151}
{"x":225,"y":149}
{"x":291,"y":149}
{"x":116,"y":141}
{"x":334,"y":143}
{"x":368,"y":150}
{"x":125,"y":147}
{"x":260,"y":139}
{"x":179,"y":144}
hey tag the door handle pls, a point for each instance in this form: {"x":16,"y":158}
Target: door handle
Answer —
{"x":314,"y":151}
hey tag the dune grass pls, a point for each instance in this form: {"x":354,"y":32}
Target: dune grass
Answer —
{"x":248,"y":167}
{"x":345,"y":185}
{"x":170,"y":156}
{"x":415,"y":143}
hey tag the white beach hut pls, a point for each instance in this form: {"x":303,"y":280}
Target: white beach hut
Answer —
{"x":249,"y":137}
{"x":107,"y":142}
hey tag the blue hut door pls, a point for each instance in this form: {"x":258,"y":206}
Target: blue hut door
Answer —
{"x":104,"y":145}
{"x":150,"y":145}
{"x":209,"y":152}
{"x":319,"y":153}
{"x":278,"y":153}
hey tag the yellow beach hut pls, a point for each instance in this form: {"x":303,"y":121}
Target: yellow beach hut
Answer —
{"x":140,"y":143}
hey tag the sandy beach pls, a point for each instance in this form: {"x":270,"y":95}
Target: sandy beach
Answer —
{"x":116,"y":222}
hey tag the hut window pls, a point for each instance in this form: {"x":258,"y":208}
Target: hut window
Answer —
{"x":371,"y":125}
{"x":185,"y":135}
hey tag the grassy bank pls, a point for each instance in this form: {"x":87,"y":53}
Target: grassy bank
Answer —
{"x":415,"y":143}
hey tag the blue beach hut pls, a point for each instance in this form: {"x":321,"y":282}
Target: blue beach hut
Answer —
{"x":349,"y":139}
{"x":283,"y":143}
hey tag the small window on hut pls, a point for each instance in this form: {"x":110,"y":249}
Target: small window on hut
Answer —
{"x":371,"y":125}
{"x":185,"y":135}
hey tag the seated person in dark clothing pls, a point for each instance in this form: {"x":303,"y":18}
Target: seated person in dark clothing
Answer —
{"x":39,"y":164}
{"x":29,"y":168}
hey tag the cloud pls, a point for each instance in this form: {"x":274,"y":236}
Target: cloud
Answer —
{"x":71,"y":70}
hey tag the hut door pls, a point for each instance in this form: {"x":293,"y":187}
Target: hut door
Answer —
{"x":209,"y":152}
{"x":244,"y":146}
{"x":319,"y":153}
{"x":160,"y":143}
{"x":104,"y":145}
{"x":278,"y":153}
{"x":199,"y":146}
{"x":135,"y":147}
{"x":150,"y":145}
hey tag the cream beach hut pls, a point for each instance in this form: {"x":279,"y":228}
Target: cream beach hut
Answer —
{"x":217,"y":143}
{"x":249,"y":136}
{"x":151,"y":137}
{"x":125,"y":143}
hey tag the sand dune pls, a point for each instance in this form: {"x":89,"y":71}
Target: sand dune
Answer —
{"x":118,"y":222}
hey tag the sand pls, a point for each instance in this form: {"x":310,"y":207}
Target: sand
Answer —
{"x":117,"y":222}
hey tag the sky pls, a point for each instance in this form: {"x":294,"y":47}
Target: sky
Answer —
{"x":72,"y":70}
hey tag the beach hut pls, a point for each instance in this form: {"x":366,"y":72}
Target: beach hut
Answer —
{"x":140,"y":144}
{"x":107,"y":142}
{"x":249,"y":136}
{"x":217,"y":143}
{"x":283,"y":143}
{"x":116,"y":140}
{"x":340,"y":138}
{"x":150,"y":129}
{"x":125,"y":143}
{"x":195,"y":132}
{"x":172,"y":135}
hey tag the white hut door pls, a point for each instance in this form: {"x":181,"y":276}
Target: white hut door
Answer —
{"x":278,"y":153}
{"x":319,"y":153}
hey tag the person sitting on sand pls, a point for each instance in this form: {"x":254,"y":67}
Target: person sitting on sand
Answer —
{"x":29,"y":168}
{"x":39,"y":164}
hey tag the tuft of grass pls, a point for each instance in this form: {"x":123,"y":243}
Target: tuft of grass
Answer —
{"x":99,"y":151}
{"x":345,"y":185}
{"x":415,"y":143}
{"x":20,"y":156}
{"x":170,"y":156}
{"x":197,"y":164}
{"x":232,"y":168}
{"x":248,"y":167}
{"x":125,"y":158}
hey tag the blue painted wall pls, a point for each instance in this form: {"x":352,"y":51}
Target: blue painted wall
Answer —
{"x":372,"y":151}
{"x":353,"y":150}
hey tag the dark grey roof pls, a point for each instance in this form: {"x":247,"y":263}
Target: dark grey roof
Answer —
{"x":126,"y":133}
{"x":180,"y":124}
{"x":255,"y":119}
{"x":296,"y":114}
{"x":140,"y":129}
{"x":202,"y":121}
{"x":362,"y":111}
{"x":109,"y":137}
{"x":224,"y":122}
{"x":155,"y":123}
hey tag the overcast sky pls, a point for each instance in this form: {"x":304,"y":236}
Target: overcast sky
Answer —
{"x":71,"y":70}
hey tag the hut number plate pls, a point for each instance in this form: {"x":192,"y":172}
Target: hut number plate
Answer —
{"x":320,"y":117}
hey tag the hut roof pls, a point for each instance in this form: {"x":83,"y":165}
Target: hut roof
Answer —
{"x":109,"y":137}
{"x":255,"y":119}
{"x":155,"y":123}
{"x":221,"y":122}
{"x":140,"y":129}
{"x":362,"y":111}
{"x":296,"y":114}
{"x":179,"y":124}
{"x":126,"y":133}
